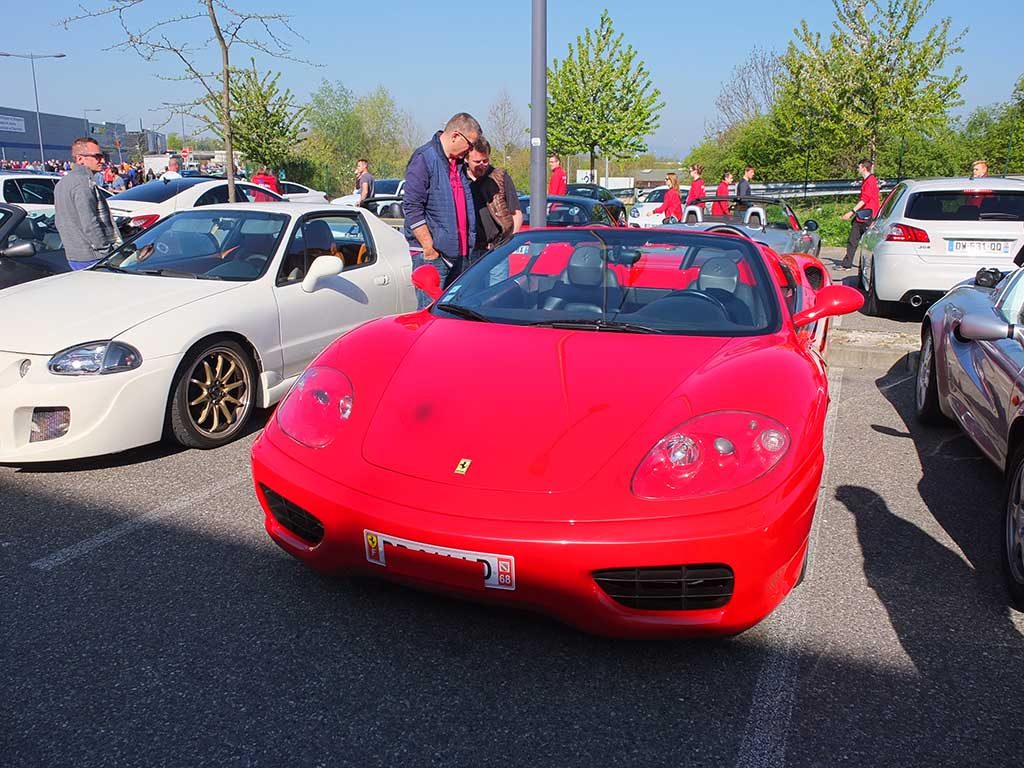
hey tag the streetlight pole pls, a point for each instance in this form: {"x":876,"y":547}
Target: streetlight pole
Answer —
{"x":539,"y":116}
{"x":32,"y":58}
{"x":85,"y":119}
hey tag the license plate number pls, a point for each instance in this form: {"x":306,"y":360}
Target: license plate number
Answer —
{"x":977,"y":246}
{"x":496,"y":571}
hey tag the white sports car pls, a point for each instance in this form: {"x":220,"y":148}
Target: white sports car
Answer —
{"x":184,"y":330}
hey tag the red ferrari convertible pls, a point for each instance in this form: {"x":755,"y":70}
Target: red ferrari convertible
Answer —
{"x":620,"y":428}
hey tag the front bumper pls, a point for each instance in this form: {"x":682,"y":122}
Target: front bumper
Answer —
{"x":553,"y":563}
{"x":107,"y":414}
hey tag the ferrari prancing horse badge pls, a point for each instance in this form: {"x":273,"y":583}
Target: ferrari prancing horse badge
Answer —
{"x":463,"y":466}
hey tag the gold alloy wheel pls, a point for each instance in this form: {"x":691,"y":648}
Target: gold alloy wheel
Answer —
{"x":219,"y":393}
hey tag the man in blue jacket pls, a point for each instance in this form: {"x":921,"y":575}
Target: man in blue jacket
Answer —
{"x":438,"y":204}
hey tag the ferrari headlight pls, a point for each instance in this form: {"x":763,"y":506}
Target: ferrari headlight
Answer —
{"x":319,"y":403}
{"x":95,"y":357}
{"x":710,"y":454}
{"x":634,"y":212}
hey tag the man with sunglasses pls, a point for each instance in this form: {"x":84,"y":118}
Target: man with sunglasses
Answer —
{"x":87,"y":231}
{"x":437,"y":202}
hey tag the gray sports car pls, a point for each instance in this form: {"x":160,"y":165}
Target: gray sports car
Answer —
{"x":971,"y":371}
{"x":769,"y":220}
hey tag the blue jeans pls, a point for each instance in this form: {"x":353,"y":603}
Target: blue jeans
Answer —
{"x":447,"y":274}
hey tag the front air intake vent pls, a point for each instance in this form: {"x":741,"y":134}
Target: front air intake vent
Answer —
{"x":293,"y":517}
{"x":668,"y":587}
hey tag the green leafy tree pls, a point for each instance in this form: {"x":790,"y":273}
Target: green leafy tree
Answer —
{"x":876,"y":76}
{"x":334,"y":136}
{"x":266,"y":121}
{"x":385,"y":132}
{"x":600,"y":97}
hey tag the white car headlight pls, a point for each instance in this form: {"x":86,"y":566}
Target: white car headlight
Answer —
{"x":95,"y":357}
{"x":634,"y":212}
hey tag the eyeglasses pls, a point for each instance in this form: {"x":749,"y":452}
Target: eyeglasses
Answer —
{"x":94,"y":155}
{"x":465,"y":139}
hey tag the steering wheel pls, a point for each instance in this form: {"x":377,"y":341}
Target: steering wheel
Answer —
{"x":690,"y":292}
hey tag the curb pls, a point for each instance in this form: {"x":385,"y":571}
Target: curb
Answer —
{"x":846,"y":356}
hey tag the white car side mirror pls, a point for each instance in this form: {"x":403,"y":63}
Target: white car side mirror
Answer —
{"x":322,"y":266}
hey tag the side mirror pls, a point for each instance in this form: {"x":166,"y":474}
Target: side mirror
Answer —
{"x":865,"y":215}
{"x":810,"y":225}
{"x":978,"y":326}
{"x":19,"y":250}
{"x":670,"y":220}
{"x":322,"y":266}
{"x":831,"y":300}
{"x":428,"y":280}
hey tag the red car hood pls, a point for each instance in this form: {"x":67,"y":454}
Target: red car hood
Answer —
{"x":531,"y":409}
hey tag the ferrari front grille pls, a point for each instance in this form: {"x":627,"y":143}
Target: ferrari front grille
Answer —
{"x":293,"y":517}
{"x":668,"y":587}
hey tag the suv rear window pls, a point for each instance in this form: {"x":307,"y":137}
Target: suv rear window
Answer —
{"x":967,"y":205}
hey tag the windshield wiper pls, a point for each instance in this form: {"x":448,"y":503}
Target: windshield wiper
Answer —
{"x":597,"y":324}
{"x":998,"y":215}
{"x":111,"y":268}
{"x":460,"y":311}
{"x":165,"y":272}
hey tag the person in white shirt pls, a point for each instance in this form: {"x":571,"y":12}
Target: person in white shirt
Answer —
{"x":173,"y":170}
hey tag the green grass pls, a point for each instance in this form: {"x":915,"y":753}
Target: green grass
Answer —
{"x":831,"y":227}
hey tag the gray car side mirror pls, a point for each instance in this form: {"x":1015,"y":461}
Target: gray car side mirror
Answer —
{"x":978,"y":326}
{"x":19,"y":250}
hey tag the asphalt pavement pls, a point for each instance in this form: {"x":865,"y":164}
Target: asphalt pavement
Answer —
{"x":148,"y":620}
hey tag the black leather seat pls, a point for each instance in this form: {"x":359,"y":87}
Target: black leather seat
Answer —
{"x":584,"y":284}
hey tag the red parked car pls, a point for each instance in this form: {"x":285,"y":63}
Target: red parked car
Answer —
{"x":620,"y":428}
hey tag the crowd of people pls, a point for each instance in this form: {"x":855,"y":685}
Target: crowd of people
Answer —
{"x":36,"y":166}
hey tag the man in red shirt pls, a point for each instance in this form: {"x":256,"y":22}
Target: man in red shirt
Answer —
{"x":557,"y":185}
{"x":869,"y":201}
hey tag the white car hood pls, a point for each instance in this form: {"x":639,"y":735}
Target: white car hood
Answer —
{"x":45,"y":316}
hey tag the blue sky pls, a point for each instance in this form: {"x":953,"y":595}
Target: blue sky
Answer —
{"x":436,"y":59}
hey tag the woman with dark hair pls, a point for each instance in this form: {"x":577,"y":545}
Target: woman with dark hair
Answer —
{"x":721,"y":207}
{"x":697,"y":185}
{"x":672,"y":205}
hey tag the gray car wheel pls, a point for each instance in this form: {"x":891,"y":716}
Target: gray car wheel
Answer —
{"x":926,"y":390}
{"x":1013,"y":531}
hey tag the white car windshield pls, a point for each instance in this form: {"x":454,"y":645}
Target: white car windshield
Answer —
{"x":204,"y":244}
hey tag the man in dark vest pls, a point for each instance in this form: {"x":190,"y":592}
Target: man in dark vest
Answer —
{"x":437,"y":202}
{"x":495,"y":200}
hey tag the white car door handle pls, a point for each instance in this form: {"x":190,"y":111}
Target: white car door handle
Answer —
{"x":382,"y":279}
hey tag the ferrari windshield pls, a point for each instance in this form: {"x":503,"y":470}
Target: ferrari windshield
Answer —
{"x":758,"y":213}
{"x":206,"y":243}
{"x":688,"y":283}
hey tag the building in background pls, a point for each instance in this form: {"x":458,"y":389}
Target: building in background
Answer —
{"x":19,"y":136}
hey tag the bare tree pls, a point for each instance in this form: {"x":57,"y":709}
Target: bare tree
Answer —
{"x":751,"y":89}
{"x":504,"y":123}
{"x":229,"y":26}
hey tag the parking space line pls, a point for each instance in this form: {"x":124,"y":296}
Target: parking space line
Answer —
{"x":129,"y":526}
{"x":774,"y":699}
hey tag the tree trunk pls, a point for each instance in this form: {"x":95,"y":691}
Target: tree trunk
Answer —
{"x":225,"y":101}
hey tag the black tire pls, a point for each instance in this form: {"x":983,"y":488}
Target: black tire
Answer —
{"x":1012,"y":537}
{"x":926,"y":387}
{"x":213,"y":395}
{"x":872,"y":304}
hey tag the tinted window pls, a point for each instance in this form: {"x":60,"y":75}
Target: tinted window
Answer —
{"x":12,"y":194}
{"x":385,"y":187}
{"x":292,"y":189}
{"x":33,"y":191}
{"x":560,"y":214}
{"x":216,"y":196}
{"x":684,"y":283}
{"x":967,"y":205}
{"x":600,"y":215}
{"x":655,"y":196}
{"x":157,"y":191}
